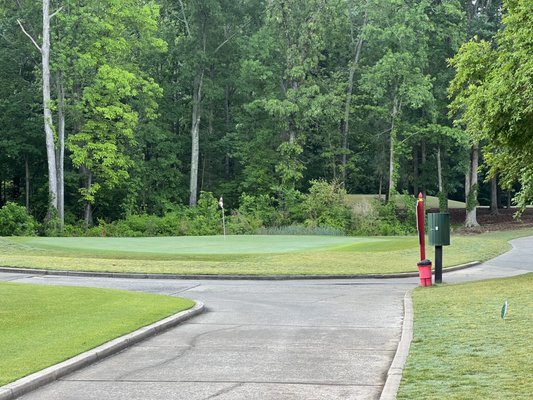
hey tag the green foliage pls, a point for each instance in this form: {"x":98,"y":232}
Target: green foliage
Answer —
{"x":204,"y":219}
{"x":254,"y":212}
{"x":396,"y":217}
{"x":493,"y":96}
{"x":14,"y":221}
{"x":325,"y":205}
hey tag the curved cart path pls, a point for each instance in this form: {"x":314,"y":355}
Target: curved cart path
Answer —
{"x":314,"y":339}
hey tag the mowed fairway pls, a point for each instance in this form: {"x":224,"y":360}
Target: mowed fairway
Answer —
{"x":244,"y":255}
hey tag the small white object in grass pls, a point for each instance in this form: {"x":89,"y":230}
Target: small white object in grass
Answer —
{"x":504,"y":310}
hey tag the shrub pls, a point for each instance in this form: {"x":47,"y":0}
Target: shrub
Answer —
{"x":325,"y":205}
{"x":14,"y":221}
{"x":397,"y":217}
{"x":254,"y":212}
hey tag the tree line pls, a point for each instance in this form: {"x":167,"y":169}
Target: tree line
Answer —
{"x":113,"y":108}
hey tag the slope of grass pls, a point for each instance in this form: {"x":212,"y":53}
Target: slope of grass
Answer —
{"x":248,"y":255}
{"x":462,"y":349}
{"x":41,"y":326}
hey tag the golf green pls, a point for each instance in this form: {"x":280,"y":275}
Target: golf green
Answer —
{"x":197,"y":244}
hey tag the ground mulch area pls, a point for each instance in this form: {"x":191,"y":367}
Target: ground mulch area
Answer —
{"x":504,"y":220}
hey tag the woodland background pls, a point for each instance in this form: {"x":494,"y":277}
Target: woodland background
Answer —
{"x":280,"y":106}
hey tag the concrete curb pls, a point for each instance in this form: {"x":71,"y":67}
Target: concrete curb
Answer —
{"x":50,"y":374}
{"x":36,"y":271}
{"x":394,"y":375}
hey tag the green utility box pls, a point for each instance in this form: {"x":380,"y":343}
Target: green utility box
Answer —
{"x":439,"y":229}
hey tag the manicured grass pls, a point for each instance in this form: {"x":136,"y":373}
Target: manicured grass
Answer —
{"x":41,"y":325}
{"x":461,"y":347}
{"x":248,"y":255}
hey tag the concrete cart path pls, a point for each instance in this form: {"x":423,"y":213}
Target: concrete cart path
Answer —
{"x":257,"y":340}
{"x":327,"y":339}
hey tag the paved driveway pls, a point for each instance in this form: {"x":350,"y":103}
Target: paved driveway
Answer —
{"x":332,"y":339}
{"x":257,"y":340}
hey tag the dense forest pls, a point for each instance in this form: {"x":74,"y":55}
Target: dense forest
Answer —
{"x":117,"y":108}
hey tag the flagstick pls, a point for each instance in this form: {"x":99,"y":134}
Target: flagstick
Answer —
{"x":221,"y":205}
{"x":224,"y":223}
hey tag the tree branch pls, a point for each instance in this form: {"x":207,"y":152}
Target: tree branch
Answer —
{"x":56,"y":12}
{"x":185,"y":19}
{"x":28,"y":35}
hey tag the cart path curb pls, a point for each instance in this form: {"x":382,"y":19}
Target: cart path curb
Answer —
{"x":394,"y":375}
{"x":36,"y":271}
{"x":50,"y":374}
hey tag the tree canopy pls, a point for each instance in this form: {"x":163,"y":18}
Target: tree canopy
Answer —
{"x":153,"y":102}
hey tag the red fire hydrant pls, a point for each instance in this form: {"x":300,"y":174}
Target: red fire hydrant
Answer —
{"x":424,"y":266}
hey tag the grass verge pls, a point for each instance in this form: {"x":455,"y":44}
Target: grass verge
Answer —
{"x":462,"y":349}
{"x":246,"y":255}
{"x":43,"y":325}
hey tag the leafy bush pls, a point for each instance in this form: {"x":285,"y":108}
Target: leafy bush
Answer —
{"x":397,"y":217}
{"x":325,"y":205}
{"x":14,"y":221}
{"x":254,"y":212}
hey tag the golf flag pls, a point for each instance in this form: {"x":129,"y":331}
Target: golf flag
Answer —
{"x":221,"y":202}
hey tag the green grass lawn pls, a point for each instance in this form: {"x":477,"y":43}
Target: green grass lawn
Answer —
{"x":249,"y":255}
{"x":41,"y":325}
{"x":463,"y":350}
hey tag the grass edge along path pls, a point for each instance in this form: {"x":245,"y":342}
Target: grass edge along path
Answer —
{"x":462,"y":349}
{"x":45,"y":325}
{"x":304,"y":256}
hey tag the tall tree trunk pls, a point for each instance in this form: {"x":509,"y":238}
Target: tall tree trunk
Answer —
{"x":88,"y":212}
{"x":415,"y":171}
{"x":345,"y":123}
{"x":443,"y":196}
{"x":471,"y":188}
{"x":227,"y":122}
{"x":47,"y":113}
{"x":60,"y":151}
{"x":27,"y":174}
{"x":394,"y":114}
{"x":27,"y":183}
{"x":494,"y":195}
{"x":195,"y":135}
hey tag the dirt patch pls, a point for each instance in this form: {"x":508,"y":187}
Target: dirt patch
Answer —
{"x":502,"y":221}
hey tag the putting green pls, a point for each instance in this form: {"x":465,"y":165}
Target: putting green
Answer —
{"x":196,"y":245}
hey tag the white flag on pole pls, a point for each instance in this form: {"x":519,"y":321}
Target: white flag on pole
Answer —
{"x":221,"y":202}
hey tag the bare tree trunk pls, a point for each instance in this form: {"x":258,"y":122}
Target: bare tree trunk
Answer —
{"x":345,"y":123}
{"x":415,"y":171}
{"x":392,"y":183}
{"x":494,"y":195}
{"x":439,"y":171}
{"x":443,"y":196}
{"x":195,"y":135}
{"x":227,"y":122}
{"x":27,"y":173}
{"x":60,"y":151}
{"x":47,"y":113}
{"x":471,"y":188}
{"x":88,"y":212}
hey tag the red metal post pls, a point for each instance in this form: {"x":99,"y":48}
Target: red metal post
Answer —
{"x":420,"y":226}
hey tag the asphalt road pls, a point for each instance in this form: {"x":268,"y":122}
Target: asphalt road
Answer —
{"x":257,"y":340}
{"x":325,"y":339}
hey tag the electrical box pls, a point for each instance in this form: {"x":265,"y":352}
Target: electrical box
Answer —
{"x":439,"y":229}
